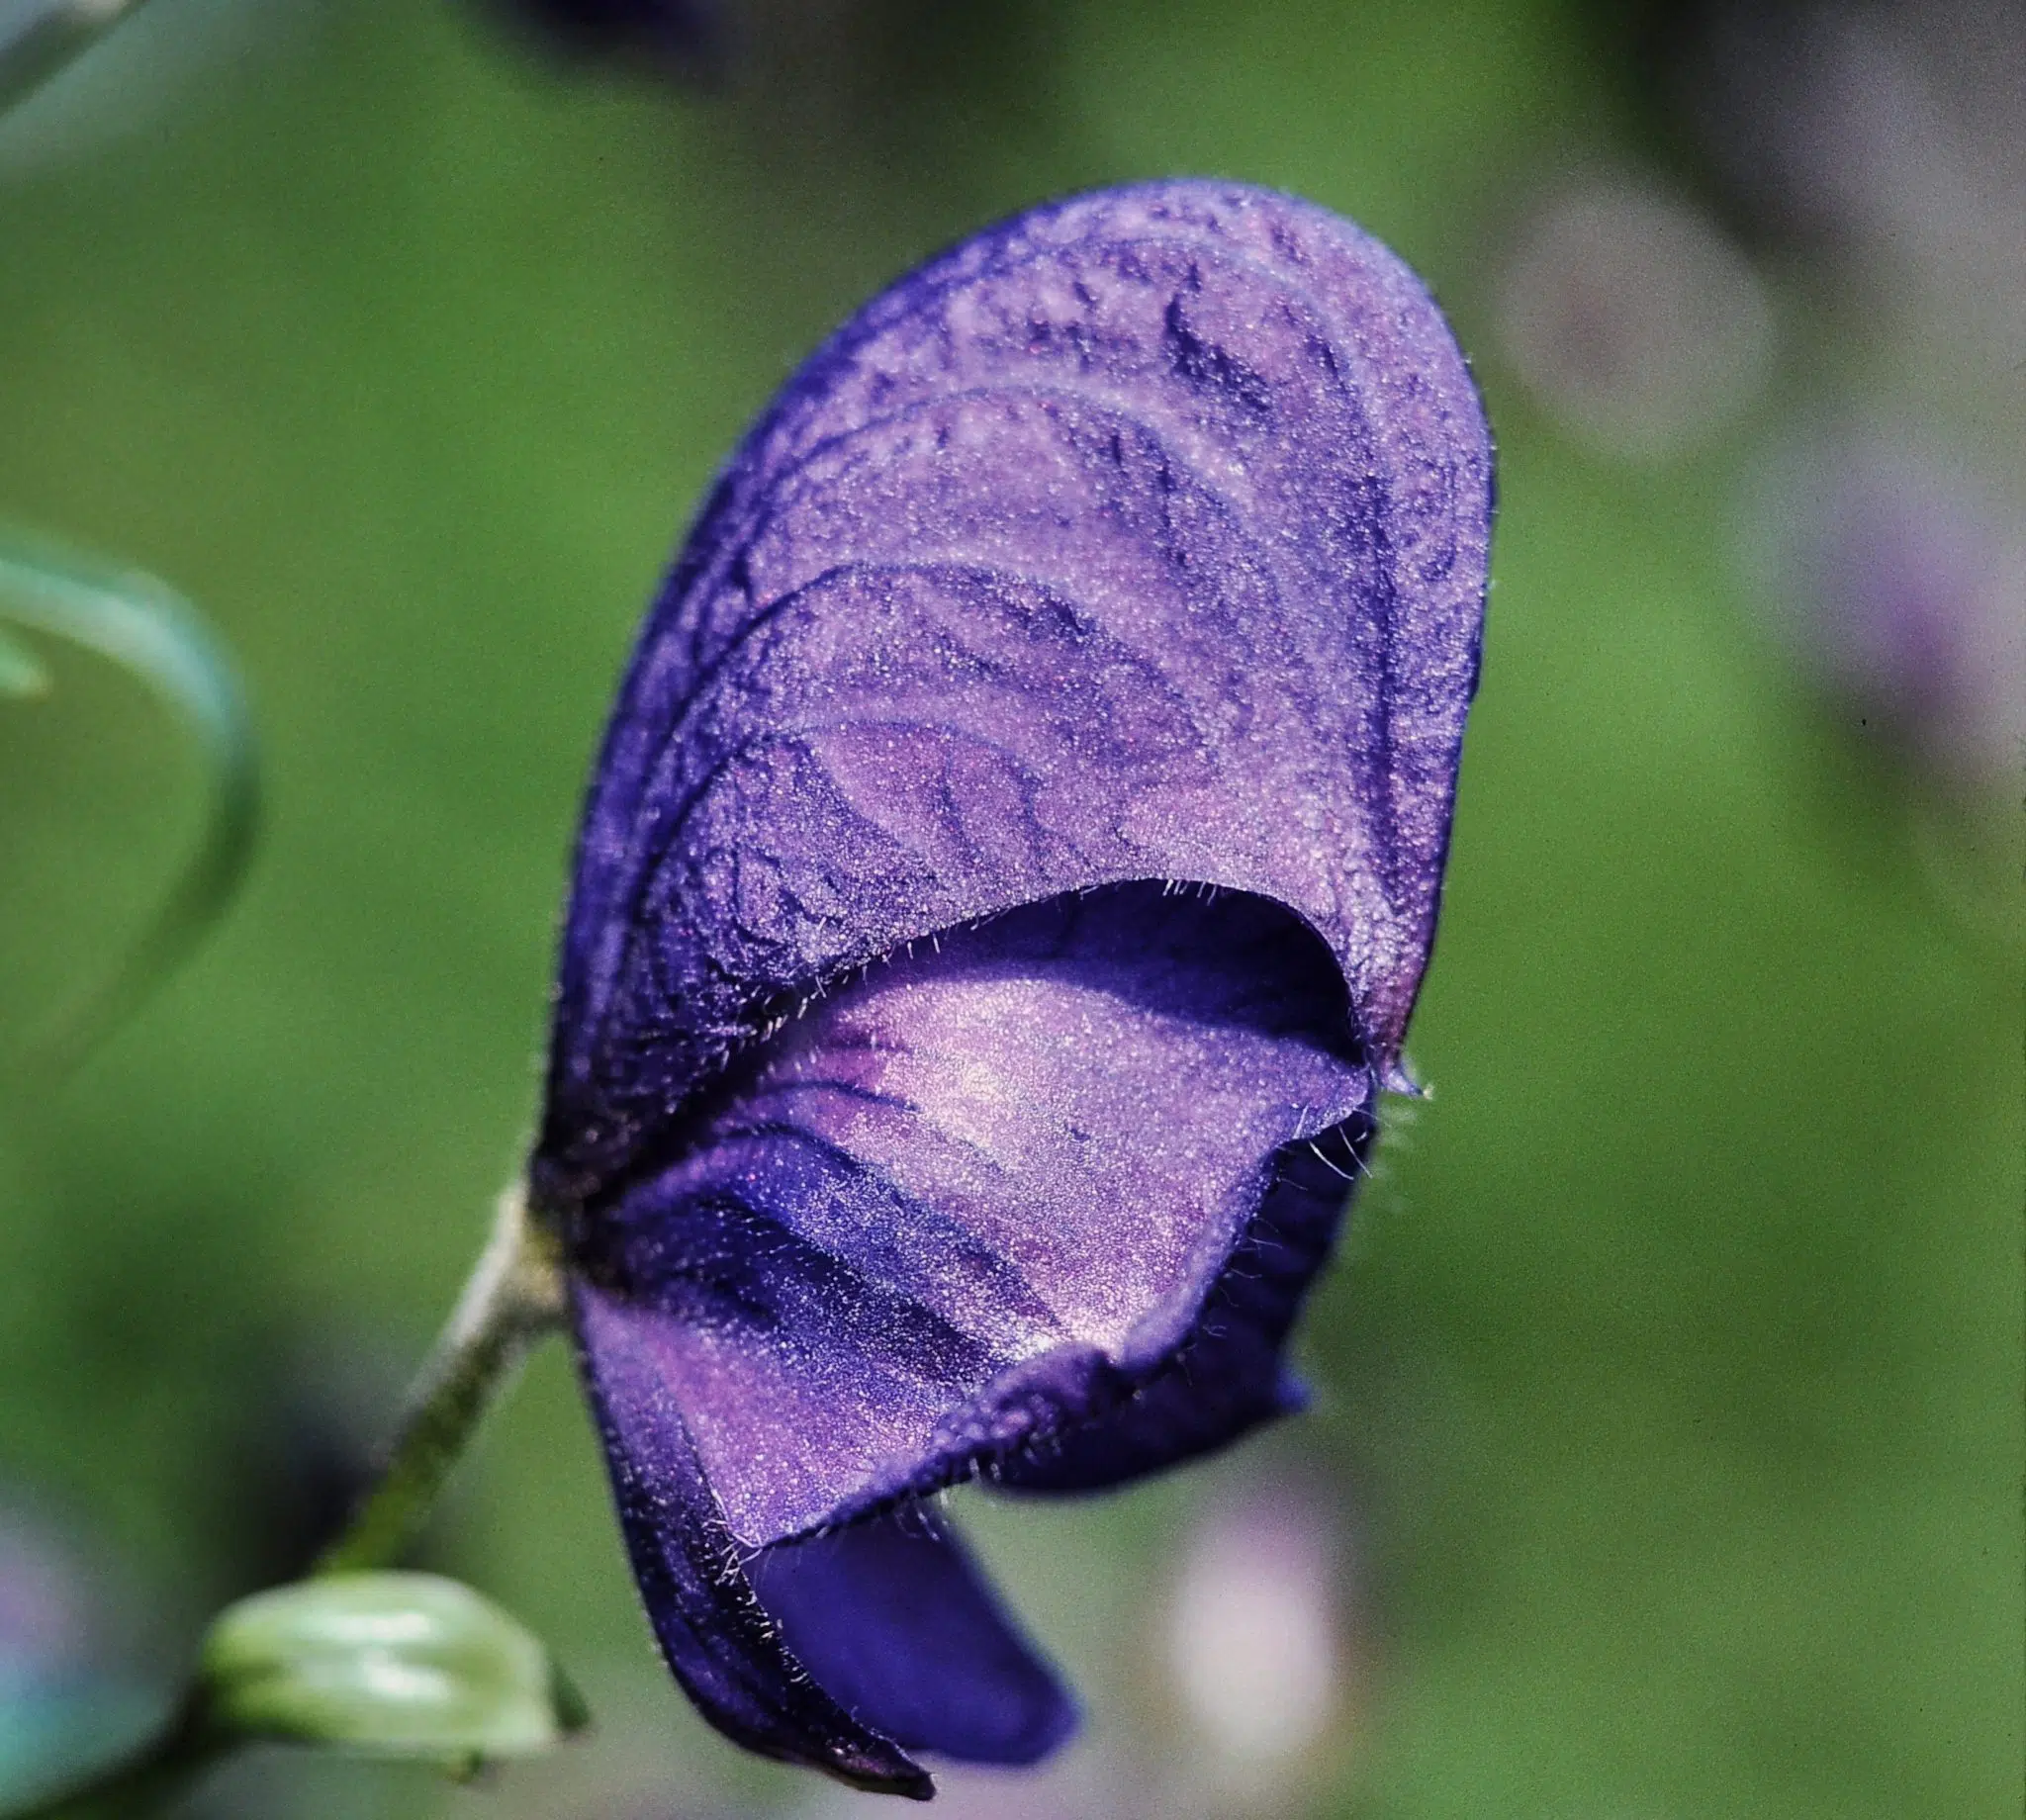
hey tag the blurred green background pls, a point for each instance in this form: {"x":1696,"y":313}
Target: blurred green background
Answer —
{"x":1670,"y":1386}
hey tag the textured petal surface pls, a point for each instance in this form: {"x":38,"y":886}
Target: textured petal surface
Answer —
{"x":976,"y":1196}
{"x":1142,"y":538}
{"x":1227,"y":1376}
{"x":1004,"y":887}
{"x":717,"y":1638}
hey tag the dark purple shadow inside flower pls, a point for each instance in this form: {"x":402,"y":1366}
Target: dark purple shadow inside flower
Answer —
{"x":1034,"y":1201}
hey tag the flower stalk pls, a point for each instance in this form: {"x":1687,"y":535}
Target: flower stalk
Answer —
{"x":515,"y":1296}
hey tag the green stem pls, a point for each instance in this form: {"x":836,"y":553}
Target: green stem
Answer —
{"x":513,"y":1296}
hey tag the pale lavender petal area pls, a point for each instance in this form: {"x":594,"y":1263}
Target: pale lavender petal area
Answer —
{"x":1001,"y":898}
{"x":1008,"y":1204}
{"x":1142,"y":538}
{"x":977,"y":1195}
{"x":1228,"y":1374}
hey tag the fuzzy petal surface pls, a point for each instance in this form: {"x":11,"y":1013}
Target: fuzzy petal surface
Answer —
{"x":1001,"y":896}
{"x":1144,"y":536}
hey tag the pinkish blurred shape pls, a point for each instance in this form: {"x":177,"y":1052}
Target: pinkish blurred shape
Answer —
{"x":63,"y":1705}
{"x":1258,"y":1641}
{"x":43,"y":1619}
{"x":1902,"y":576}
{"x":1632,"y":320}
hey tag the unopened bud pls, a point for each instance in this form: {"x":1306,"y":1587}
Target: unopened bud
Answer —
{"x":385,"y":1664}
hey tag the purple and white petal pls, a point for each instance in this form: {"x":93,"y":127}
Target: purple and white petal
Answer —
{"x":1002,"y":894}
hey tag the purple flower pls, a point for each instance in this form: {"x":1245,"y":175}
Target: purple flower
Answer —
{"x":1001,"y":898}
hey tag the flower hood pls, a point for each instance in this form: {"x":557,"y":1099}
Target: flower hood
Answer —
{"x":1001,"y":895}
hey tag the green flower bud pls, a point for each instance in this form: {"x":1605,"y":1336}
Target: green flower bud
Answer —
{"x":385,"y":1664}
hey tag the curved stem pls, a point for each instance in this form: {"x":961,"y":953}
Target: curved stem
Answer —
{"x":515,"y":1296}
{"x":141,"y":624}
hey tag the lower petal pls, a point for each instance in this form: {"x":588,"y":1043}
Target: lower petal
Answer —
{"x":894,"y":1621}
{"x":717,"y":1638}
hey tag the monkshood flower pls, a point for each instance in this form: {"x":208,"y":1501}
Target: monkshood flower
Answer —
{"x":1000,"y":900}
